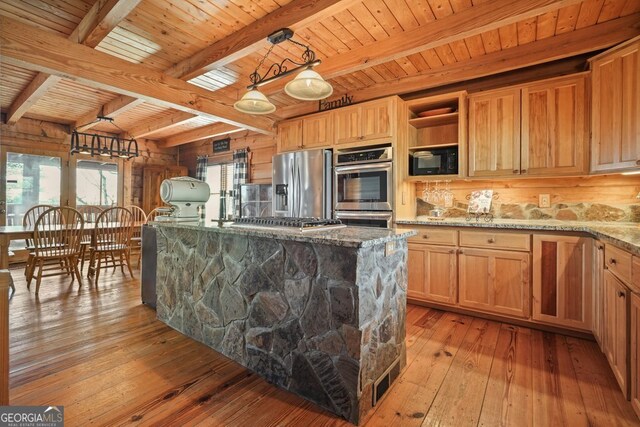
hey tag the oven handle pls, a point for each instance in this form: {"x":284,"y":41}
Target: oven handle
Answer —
{"x":384,"y":166}
{"x":381,"y":215}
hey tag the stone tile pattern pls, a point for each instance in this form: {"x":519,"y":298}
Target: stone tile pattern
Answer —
{"x":319,"y":320}
{"x":560,"y":211}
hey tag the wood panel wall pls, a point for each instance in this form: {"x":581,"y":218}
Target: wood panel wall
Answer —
{"x":40,"y":135}
{"x":261,"y":149}
{"x":614,"y":189}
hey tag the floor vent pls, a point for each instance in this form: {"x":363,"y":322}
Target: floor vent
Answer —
{"x":383,"y":383}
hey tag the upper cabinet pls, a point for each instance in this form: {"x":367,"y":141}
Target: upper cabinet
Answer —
{"x":366,"y":121}
{"x":554,"y":127}
{"x":537,"y":129}
{"x":290,"y":135}
{"x":615,"y":113}
{"x":494,"y":133}
{"x":317,"y":131}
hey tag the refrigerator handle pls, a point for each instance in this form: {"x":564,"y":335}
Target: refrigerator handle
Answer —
{"x":298,"y":185}
{"x":292,"y":193}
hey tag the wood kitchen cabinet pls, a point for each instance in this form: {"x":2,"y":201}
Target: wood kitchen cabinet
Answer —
{"x":494,"y":133}
{"x":615,"y":109}
{"x":290,"y":135}
{"x":616,"y":329}
{"x":366,"y":121}
{"x":152,"y":178}
{"x":554,"y":127}
{"x":562,"y":274}
{"x":317,"y":131}
{"x":432,"y":273}
{"x":635,"y":352}
{"x":494,"y":281}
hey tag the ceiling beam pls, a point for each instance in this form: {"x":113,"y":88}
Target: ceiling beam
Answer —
{"x":297,"y":14}
{"x":589,"y":39}
{"x":209,"y":131}
{"x":111,"y":109}
{"x":162,"y":123}
{"x":467,"y":23}
{"x":101,"y":19}
{"x":32,"y":48}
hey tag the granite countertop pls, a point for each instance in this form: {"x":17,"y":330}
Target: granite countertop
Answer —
{"x":622,"y":234}
{"x":355,"y":237}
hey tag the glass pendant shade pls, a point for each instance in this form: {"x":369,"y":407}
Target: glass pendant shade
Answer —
{"x":254,"y":102}
{"x":308,"y":86}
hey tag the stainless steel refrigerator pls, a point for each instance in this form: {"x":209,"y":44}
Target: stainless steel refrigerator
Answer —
{"x":302,"y":184}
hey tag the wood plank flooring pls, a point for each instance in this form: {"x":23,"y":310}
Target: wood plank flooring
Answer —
{"x":102,"y":354}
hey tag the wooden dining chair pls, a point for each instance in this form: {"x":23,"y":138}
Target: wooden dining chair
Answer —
{"x":89,"y":214}
{"x":139,"y":219}
{"x":29,"y":220}
{"x":162,"y":210}
{"x":57,"y":236}
{"x":112,"y":238}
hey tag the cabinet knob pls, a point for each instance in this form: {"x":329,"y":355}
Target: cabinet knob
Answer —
{"x":460,"y":251}
{"x":516,"y":171}
{"x":523,"y":171}
{"x":600,"y":247}
{"x":452,"y":251}
{"x":612,"y":261}
{"x":621,"y":294}
{"x":425,"y":236}
{"x":638,"y":162}
{"x":491,"y":240}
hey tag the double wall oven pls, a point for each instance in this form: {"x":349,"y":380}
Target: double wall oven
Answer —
{"x":363,"y":186}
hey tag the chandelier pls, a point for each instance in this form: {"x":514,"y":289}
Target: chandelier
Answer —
{"x":308,"y":85}
{"x":95,"y":144}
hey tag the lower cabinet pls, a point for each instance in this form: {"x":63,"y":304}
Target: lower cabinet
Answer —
{"x":616,"y":329}
{"x":494,"y":281}
{"x":432,"y":273}
{"x":635,"y":352}
{"x":562,"y":273}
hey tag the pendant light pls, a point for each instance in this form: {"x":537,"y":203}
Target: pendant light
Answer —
{"x":117,"y":146}
{"x":308,"y":85}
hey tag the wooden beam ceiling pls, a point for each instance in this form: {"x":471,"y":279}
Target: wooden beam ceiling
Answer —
{"x":296,"y":14}
{"x":101,"y":19}
{"x":599,"y":36}
{"x":470,"y":22}
{"x":111,"y":109}
{"x":159,"y":124}
{"x":209,"y":131}
{"x":32,"y":48}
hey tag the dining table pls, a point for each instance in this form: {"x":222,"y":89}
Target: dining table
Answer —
{"x":7,"y":234}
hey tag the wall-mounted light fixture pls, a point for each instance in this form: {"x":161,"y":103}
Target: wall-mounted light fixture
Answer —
{"x":308,"y":85}
{"x":95,"y":144}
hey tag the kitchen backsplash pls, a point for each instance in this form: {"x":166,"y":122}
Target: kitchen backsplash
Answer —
{"x":596,"y":198}
{"x":561,"y":211}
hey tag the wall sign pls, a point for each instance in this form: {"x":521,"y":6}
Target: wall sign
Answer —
{"x":336,"y":103}
{"x":222,"y":145}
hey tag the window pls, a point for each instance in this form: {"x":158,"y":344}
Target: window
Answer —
{"x":31,"y":180}
{"x":96,"y":183}
{"x":220,"y":180}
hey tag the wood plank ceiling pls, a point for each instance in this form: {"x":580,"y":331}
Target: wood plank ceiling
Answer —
{"x":369,"y":48}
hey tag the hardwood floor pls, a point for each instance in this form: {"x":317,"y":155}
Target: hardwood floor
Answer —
{"x":99,"y":352}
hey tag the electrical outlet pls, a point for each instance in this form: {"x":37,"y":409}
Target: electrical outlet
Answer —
{"x":389,"y":248}
{"x":544,"y":201}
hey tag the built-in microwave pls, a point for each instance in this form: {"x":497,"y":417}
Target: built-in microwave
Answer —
{"x":436,"y":161}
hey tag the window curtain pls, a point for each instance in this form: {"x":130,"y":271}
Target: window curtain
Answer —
{"x":201,"y":174}
{"x":240,"y":175}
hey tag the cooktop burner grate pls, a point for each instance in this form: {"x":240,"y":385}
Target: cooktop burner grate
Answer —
{"x":303,"y":224}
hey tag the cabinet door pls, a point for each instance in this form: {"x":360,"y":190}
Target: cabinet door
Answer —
{"x":554,"y":128}
{"x":290,"y":135}
{"x":597,"y":317}
{"x":615,"y":110}
{"x":348,"y":127}
{"x":432,"y":273}
{"x":317,"y":131}
{"x":494,"y":133}
{"x":376,"y":119}
{"x":635,"y":352}
{"x":494,"y":281}
{"x":616,"y":332}
{"x":562,"y":267}
{"x":151,"y":179}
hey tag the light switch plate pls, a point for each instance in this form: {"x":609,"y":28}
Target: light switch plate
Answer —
{"x":544,"y":201}
{"x":389,"y":248}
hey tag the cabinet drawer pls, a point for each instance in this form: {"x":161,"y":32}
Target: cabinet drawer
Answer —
{"x":434,"y":236}
{"x":619,"y":262}
{"x":496,"y":240}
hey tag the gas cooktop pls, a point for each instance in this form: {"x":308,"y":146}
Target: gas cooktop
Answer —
{"x":288,"y":223}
